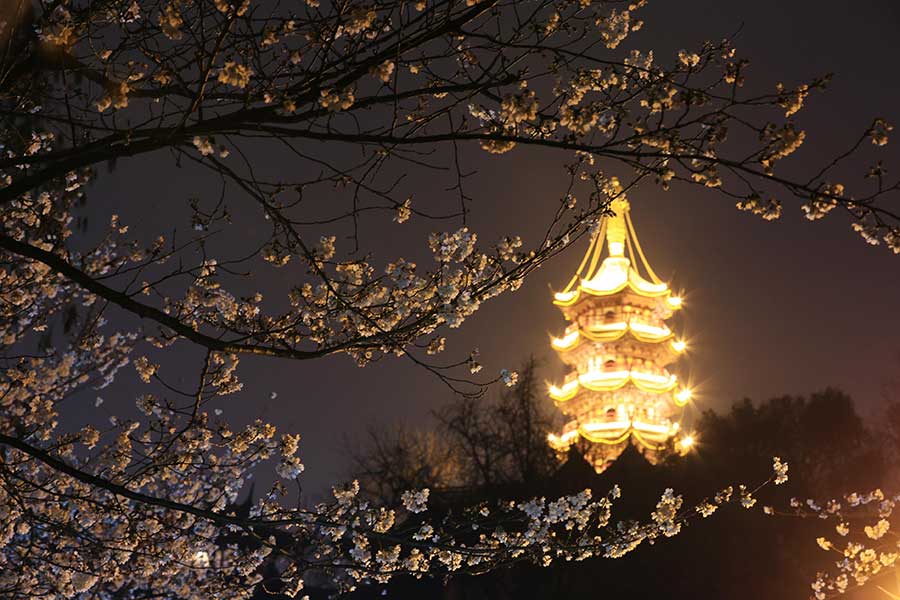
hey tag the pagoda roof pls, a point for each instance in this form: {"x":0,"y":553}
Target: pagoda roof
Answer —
{"x":624,"y":265}
{"x":607,"y":381}
{"x":615,"y":331}
{"x":614,"y":275}
{"x":649,"y":435}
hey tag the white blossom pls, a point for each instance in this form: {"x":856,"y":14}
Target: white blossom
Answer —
{"x":415,"y":501}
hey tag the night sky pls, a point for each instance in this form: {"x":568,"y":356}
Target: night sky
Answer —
{"x":771,"y":308}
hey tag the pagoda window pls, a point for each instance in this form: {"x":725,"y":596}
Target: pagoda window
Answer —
{"x":610,"y":364}
{"x":610,"y":316}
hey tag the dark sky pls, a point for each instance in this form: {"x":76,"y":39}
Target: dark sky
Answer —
{"x":772,"y":308}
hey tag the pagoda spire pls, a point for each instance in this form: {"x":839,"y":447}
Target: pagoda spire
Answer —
{"x":616,"y":229}
{"x":618,"y":348}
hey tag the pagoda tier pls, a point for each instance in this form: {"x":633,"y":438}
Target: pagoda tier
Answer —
{"x":618,"y":348}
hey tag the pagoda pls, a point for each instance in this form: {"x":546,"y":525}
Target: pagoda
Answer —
{"x":618,"y":348}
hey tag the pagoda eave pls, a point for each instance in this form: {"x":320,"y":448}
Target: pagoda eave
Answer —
{"x":609,"y":381}
{"x":649,"y":436}
{"x":572,"y":297}
{"x":572,"y":340}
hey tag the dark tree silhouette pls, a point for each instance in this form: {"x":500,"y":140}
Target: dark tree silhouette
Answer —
{"x":739,"y":555}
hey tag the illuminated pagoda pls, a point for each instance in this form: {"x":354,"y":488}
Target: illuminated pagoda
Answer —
{"x":618,"y":390}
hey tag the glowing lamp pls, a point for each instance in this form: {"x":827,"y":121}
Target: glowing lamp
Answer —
{"x":565,"y":342}
{"x":683,"y":396}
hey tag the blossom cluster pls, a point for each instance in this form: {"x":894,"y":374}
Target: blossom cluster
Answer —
{"x":860,"y":552}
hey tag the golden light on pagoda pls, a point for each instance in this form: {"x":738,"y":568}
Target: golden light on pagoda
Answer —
{"x":618,"y":348}
{"x":686,"y":443}
{"x":683,"y":396}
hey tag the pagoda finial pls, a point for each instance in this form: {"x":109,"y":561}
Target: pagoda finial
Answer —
{"x":617,"y":230}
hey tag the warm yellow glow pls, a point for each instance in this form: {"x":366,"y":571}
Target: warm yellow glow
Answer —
{"x":617,"y":230}
{"x":652,"y":378}
{"x":650,"y":330}
{"x":619,"y":392}
{"x":602,"y":377}
{"x":611,"y":277}
{"x":562,"y":441}
{"x":604,"y":438}
{"x":566,"y":342}
{"x":606,"y":426}
{"x":607,"y":381}
{"x":565,"y":297}
{"x":566,"y":392}
{"x":609,"y":332}
{"x":618,"y":326}
{"x":683,"y":396}
{"x":614,"y":275}
{"x":639,"y":284}
{"x":652,"y":441}
{"x":650,"y":435}
{"x":662,"y":429}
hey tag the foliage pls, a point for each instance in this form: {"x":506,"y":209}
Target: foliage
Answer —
{"x":478,"y":446}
